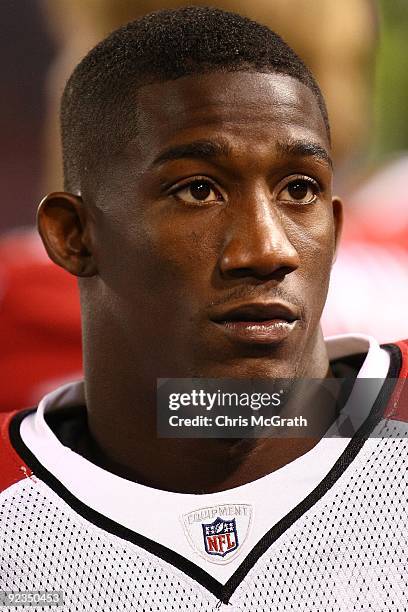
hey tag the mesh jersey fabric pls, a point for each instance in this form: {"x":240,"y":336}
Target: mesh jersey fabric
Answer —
{"x":347,"y":552}
{"x":343,"y":549}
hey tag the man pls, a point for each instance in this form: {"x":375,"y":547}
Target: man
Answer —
{"x":200,"y":221}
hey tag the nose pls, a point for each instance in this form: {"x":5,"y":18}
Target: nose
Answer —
{"x":257,"y":244}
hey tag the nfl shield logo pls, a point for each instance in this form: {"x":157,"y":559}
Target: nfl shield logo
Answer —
{"x":220,"y":537}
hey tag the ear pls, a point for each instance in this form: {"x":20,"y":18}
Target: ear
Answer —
{"x":338,"y":223}
{"x":64,"y":226}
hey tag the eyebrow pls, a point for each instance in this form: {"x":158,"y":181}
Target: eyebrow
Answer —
{"x":305,"y":148}
{"x":199,"y":149}
{"x":211,"y":149}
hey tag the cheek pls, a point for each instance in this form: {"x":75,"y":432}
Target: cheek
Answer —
{"x":185,"y":244}
{"x":312,"y":233}
{"x":162,"y":257}
{"x":313,"y":237}
{"x":184,"y":261}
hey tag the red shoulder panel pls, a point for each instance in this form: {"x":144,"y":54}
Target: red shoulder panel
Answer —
{"x":397,"y":408}
{"x":12,"y":467}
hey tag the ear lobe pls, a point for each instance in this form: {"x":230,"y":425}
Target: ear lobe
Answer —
{"x":338,"y":223}
{"x":63,"y":224}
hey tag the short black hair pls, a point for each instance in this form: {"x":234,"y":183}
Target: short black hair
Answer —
{"x":99,"y":98}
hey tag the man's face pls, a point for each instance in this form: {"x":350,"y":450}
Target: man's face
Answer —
{"x":215,"y":230}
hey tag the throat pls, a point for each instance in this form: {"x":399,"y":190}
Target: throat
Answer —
{"x":196,"y":466}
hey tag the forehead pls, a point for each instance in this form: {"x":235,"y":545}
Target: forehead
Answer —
{"x":241,"y":106}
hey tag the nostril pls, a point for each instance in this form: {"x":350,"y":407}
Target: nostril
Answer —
{"x":278,"y":274}
{"x":241,"y":272}
{"x":282,"y":272}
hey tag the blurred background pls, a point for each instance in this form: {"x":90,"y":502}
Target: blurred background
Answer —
{"x":358,"y":51}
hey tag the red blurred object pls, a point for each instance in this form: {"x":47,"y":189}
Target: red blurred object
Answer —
{"x":40,"y":328}
{"x":369,"y":285}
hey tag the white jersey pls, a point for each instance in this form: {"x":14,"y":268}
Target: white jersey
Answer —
{"x":327,"y":531}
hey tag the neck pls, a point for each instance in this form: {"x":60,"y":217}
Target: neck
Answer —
{"x":122,"y":436}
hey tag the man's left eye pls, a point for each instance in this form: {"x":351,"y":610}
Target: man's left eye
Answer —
{"x":300,"y":191}
{"x":198,"y":192}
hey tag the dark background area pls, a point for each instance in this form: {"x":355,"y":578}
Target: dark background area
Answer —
{"x":25,"y":54}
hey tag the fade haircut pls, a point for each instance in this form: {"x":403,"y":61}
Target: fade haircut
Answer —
{"x":99,"y":103}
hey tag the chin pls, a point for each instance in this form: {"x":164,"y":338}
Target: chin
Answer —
{"x":255,"y":368}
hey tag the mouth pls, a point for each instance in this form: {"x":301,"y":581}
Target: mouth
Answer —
{"x":258,"y":323}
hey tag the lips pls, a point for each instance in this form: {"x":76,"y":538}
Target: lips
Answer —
{"x":258,"y":323}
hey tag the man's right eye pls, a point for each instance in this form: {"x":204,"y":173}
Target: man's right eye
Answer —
{"x":199,"y":191}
